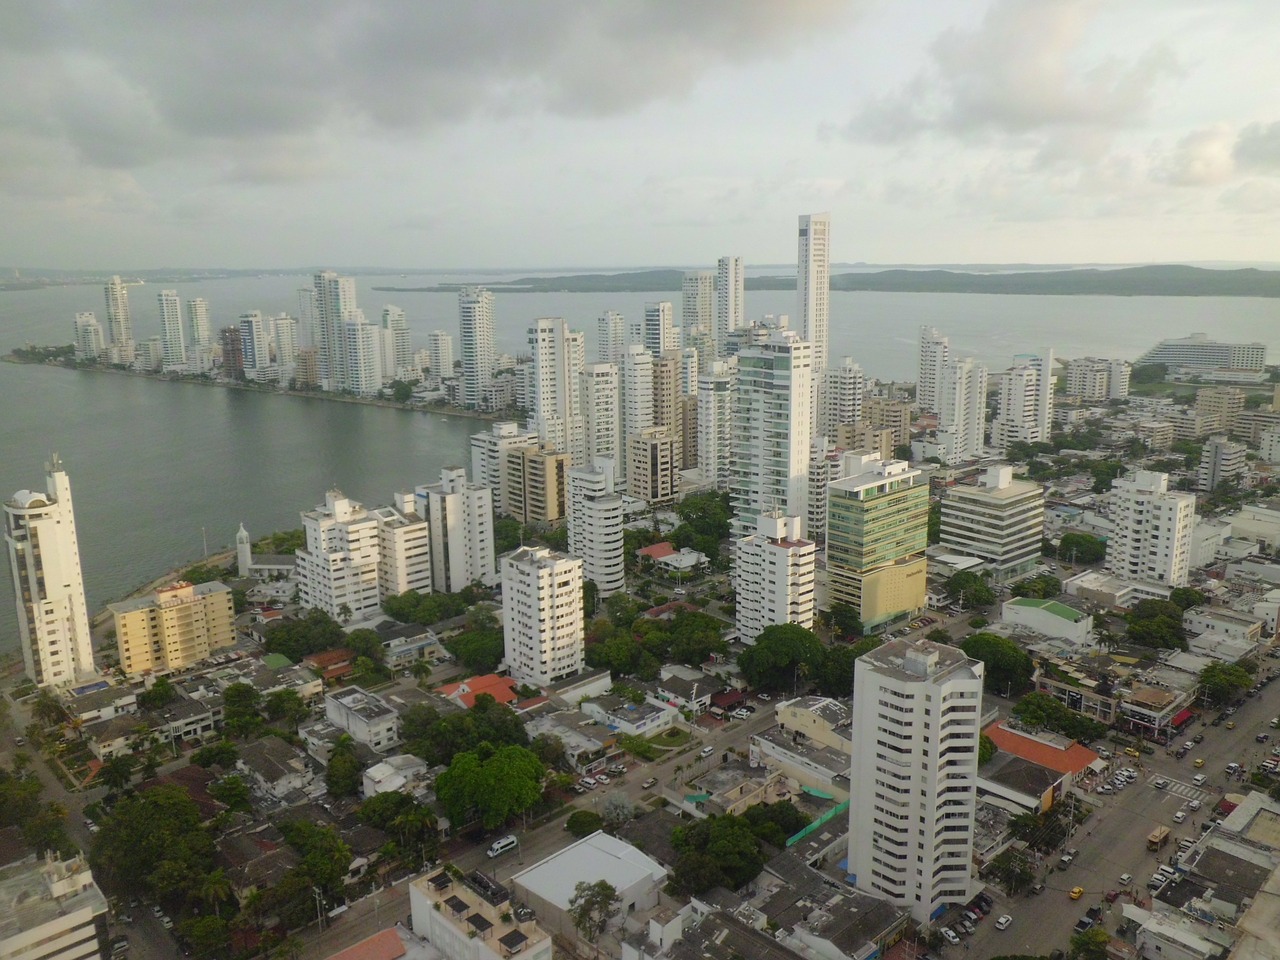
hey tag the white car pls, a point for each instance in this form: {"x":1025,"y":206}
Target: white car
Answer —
{"x":950,"y":936}
{"x":601,"y":778}
{"x":1199,"y":779}
{"x":1180,"y":816}
{"x":1160,"y":783}
{"x":1126,"y":879}
{"x":1003,"y":922}
{"x":1105,"y":788}
{"x":706,"y":751}
{"x":1193,"y":804}
{"x":1189,"y":745}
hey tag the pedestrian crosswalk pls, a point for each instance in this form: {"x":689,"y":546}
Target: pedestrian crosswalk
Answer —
{"x":1185,"y":790}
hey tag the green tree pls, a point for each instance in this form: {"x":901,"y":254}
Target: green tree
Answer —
{"x":1187,"y":597}
{"x":233,"y":792}
{"x":490,"y":785}
{"x":215,"y":890}
{"x":1091,"y":944}
{"x":779,"y":656}
{"x":935,"y":522}
{"x":286,"y":705}
{"x":1013,"y":871}
{"x":1008,"y":668}
{"x":774,"y":823}
{"x":223,"y":754}
{"x":1223,"y":682}
{"x":342,"y":777}
{"x":208,"y":936}
{"x":152,"y":842}
{"x":240,"y":709}
{"x":1081,"y":548}
{"x":969,"y":590}
{"x":116,"y":774}
{"x":47,"y":710}
{"x":583,"y":823}
{"x":834,"y":675}
{"x":421,"y":671}
{"x":296,"y":638}
{"x":987,"y":749}
{"x":844,"y":620}
{"x":161,"y":694}
{"x":1040,"y":710}
{"x":730,"y":844}
{"x":592,"y":906}
{"x":326,"y":859}
{"x":549,"y":749}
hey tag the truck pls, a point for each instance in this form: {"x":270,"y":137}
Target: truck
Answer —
{"x":1157,"y":838}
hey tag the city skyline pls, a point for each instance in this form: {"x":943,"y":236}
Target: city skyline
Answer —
{"x":983,"y":131}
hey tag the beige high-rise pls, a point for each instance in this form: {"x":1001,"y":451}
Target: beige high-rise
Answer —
{"x":174,"y":627}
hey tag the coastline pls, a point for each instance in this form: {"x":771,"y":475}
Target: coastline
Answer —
{"x":103,"y":616}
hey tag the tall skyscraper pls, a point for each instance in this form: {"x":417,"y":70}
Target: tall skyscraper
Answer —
{"x":917,"y":710}
{"x":773,"y":576}
{"x":335,"y":298}
{"x":395,"y":326}
{"x":440,"y":346}
{"x":771,"y":430}
{"x":667,"y":393}
{"x":637,"y":390}
{"x":601,"y":413}
{"x":657,"y":330}
{"x":877,"y":531}
{"x":595,"y":522}
{"x":611,"y":337}
{"x":542,"y":619}
{"x":119,"y":321}
{"x":198,"y":317}
{"x":255,"y":344}
{"x":841,"y":396}
{"x":960,"y":400}
{"x":555,"y":404}
{"x":44,"y":556}
{"x":935,"y":351}
{"x":489,"y":455}
{"x":1025,"y":409}
{"x":365,"y":353}
{"x":285,"y":334}
{"x":652,"y":470}
{"x":1151,"y":530}
{"x":730,"y":300}
{"x":338,"y":567}
{"x":813,"y":294}
{"x":172,"y":341}
{"x":475,"y":328}
{"x":715,"y":423}
{"x":232,"y":353}
{"x":90,"y":343}
{"x":461,"y":518}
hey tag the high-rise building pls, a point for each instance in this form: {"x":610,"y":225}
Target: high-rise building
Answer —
{"x":1025,"y":408}
{"x":255,"y":344}
{"x":53,"y":910}
{"x":652,"y":471}
{"x":174,"y":627}
{"x":813,"y":294}
{"x":637,"y":390}
{"x":338,"y":568}
{"x":404,"y":547}
{"x":877,"y":531}
{"x":148,"y":355}
{"x":171,"y":337}
{"x":309,"y":315}
{"x":232,"y":353}
{"x":90,"y":344}
{"x":773,"y":576}
{"x":475,"y":329}
{"x":535,"y":485}
{"x":668,"y":411}
{"x":367,"y":356}
{"x":1000,"y":521}
{"x":461,"y":518}
{"x":731,"y":302}
{"x":44,"y":555}
{"x":396,"y":327}
{"x":119,"y":320}
{"x":335,"y":299}
{"x":827,"y":462}
{"x":1199,"y":352}
{"x":917,"y":713}
{"x":595,"y":524}
{"x":841,"y":396}
{"x":882,"y":413}
{"x":284,"y":331}
{"x":489,"y":455}
{"x":306,"y":373}
{"x":1220,"y":406}
{"x":198,"y":317}
{"x":935,"y":351}
{"x":698,"y":311}
{"x":1151,"y":530}
{"x":1221,"y":461}
{"x":961,"y":405}
{"x":555,"y":407}
{"x":1094,"y":380}
{"x":440,"y":346}
{"x":771,"y":430}
{"x":611,"y":337}
{"x":715,"y":423}
{"x":657,"y":330}
{"x":542,"y":620}
{"x":601,"y":413}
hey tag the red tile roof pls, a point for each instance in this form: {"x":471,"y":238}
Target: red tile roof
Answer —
{"x":327,"y":658}
{"x":1071,"y":760}
{"x":657,"y":551}
{"x":381,"y":946}
{"x":502,"y":689}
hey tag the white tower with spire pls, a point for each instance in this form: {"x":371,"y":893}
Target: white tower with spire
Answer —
{"x":244,"y":551}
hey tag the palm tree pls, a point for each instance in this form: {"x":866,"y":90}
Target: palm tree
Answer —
{"x":47,"y":709}
{"x":117,"y":773}
{"x":215,"y":890}
{"x":421,"y":670}
{"x":344,"y":613}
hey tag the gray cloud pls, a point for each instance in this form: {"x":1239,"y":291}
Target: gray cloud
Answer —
{"x":1258,"y":148}
{"x":1201,"y":158}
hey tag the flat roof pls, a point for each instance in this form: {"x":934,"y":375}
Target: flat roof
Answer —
{"x":1050,"y":606}
{"x":597,"y":857}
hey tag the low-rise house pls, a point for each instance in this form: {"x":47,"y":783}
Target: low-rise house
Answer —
{"x":1057,"y":753}
{"x":502,"y":689}
{"x":587,"y":742}
{"x":403,"y":773}
{"x":693,"y":696}
{"x":729,"y":788}
{"x":1074,"y":686}
{"x":108,"y":700}
{"x":627,"y":718}
{"x":404,"y":644}
{"x":331,"y":665}
{"x":320,"y":736}
{"x":111,"y":738}
{"x":1049,"y":618}
{"x":473,"y":918}
{"x":1220,"y":622}
{"x":254,"y":858}
{"x":274,"y":767}
{"x":573,"y":690}
{"x":365,"y":716}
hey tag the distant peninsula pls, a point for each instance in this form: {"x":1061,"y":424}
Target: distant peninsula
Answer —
{"x":1172,"y":280}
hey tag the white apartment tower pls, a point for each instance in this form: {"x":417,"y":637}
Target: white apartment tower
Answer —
{"x":119,"y":321}
{"x":475,"y":330}
{"x":935,"y":351}
{"x":1151,"y":539}
{"x":595,"y":522}
{"x":1025,"y":410}
{"x":90,"y":343}
{"x":771,"y":430}
{"x":773,"y":576}
{"x":1221,"y":460}
{"x":461,"y":519}
{"x":1094,"y":380}
{"x":961,"y":405}
{"x":335,"y":299}
{"x":367,"y":356}
{"x":440,"y":346}
{"x":489,"y":455}
{"x":841,"y":396}
{"x":601,"y":413}
{"x":44,"y":556}
{"x":611,"y":337}
{"x":542,"y":617}
{"x":284,"y":331}
{"x":255,"y":344}
{"x":198,"y":317}
{"x":657,"y":330}
{"x":338,"y":569}
{"x":637,"y":390}
{"x":404,"y":547}
{"x":731,"y":302}
{"x":559,"y":356}
{"x":1000,"y":521}
{"x":715,"y":423}
{"x":813,"y":295}
{"x":171,"y":337}
{"x":396,"y":327}
{"x":917,"y":711}
{"x":698,"y":312}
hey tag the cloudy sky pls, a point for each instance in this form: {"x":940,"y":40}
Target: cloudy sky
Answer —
{"x":496,"y":133}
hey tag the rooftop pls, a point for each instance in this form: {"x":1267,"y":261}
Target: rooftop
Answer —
{"x":36,"y":892}
{"x":597,"y":857}
{"x":1046,"y":749}
{"x":364,"y":704}
{"x":916,"y":659}
{"x":1050,"y":606}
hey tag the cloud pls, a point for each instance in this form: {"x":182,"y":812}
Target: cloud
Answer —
{"x":1201,"y":158}
{"x":1259,"y":148}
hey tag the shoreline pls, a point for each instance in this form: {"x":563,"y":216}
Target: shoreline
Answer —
{"x":444,"y":411}
{"x":103,"y":616}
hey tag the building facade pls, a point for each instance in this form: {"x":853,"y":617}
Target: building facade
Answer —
{"x":174,"y":627}
{"x":460,"y":516}
{"x":1000,"y":521}
{"x":1025,"y":408}
{"x":813,"y":296}
{"x":935,"y":351}
{"x":489,"y":455}
{"x":773,"y":576}
{"x":595,"y":524}
{"x":338,"y":568}
{"x":542,"y":616}
{"x":475,"y":331}
{"x":1151,"y":530}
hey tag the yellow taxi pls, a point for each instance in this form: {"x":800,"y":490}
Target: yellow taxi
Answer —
{"x":1129,"y":751}
{"x":1199,"y":762}
{"x":1077,"y":893}
{"x":1231,"y":724}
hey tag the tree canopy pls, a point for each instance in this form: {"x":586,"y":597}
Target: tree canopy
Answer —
{"x":436,"y":739}
{"x":1008,"y":668}
{"x":1156,"y":623}
{"x":490,"y":785}
{"x":592,"y":906}
{"x":297,"y":638}
{"x":781,"y":655}
{"x":1081,"y":548}
{"x":431,"y":608}
{"x":717,"y":851}
{"x":969,"y":590}
{"x":1044,"y":711}
{"x":342,"y":775}
{"x":1044,"y":587}
{"x":1223,"y":682}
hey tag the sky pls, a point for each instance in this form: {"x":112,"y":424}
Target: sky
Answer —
{"x":559,"y":133}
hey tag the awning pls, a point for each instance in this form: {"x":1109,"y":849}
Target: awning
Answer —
{"x":1182,"y":718}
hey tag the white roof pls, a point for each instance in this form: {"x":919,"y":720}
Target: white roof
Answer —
{"x":597,"y":857}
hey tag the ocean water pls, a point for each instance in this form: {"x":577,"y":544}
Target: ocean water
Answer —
{"x":159,"y":470}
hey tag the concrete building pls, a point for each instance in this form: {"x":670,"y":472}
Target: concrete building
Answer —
{"x":542,"y":615}
{"x":1095,"y":381}
{"x":668,"y":409}
{"x":365,"y":716}
{"x":658,"y":332}
{"x":715,"y":423}
{"x":404,"y":547}
{"x":460,"y":516}
{"x":1025,"y":408}
{"x":365,"y":354}
{"x":918,"y":707}
{"x":841,"y":396}
{"x":730,"y":299}
{"x":772,"y":425}
{"x":535,"y":484}
{"x":595,"y":522}
{"x":90,"y":344}
{"x":53,"y":910}
{"x":172,"y":336}
{"x":935,"y":352}
{"x":601,"y":387}
{"x":961,"y":405}
{"x":440,"y":346}
{"x":637,"y":391}
{"x":698,"y":310}
{"x":470,"y":917}
{"x":611,"y":337}
{"x":555,"y":403}
{"x":489,"y":455}
{"x":174,"y":627}
{"x":119,"y":320}
{"x":881,"y":413}
{"x":813,"y":299}
{"x":773,"y":576}
{"x":1049,"y":618}
{"x":1221,"y":461}
{"x":1000,"y":521}
{"x":48,"y":587}
{"x":338,"y":568}
{"x":198,"y":318}
{"x":652,"y":468}
{"x":335,"y":299}
{"x":1151,"y":539}
{"x":475,"y":331}
{"x":1220,"y":406}
{"x":395,"y":329}
{"x":1198,"y":351}
{"x":877,"y":531}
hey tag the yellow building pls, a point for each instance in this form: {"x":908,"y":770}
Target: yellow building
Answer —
{"x":534,"y":485}
{"x":174,"y":627}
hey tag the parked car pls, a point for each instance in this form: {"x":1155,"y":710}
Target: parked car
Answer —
{"x":1126,"y":879}
{"x":1160,"y":783}
{"x":601,"y":778}
{"x":1076,"y":893}
{"x":648,"y":783}
{"x":1004,"y":922}
{"x":706,"y":751}
{"x":950,"y":936}
{"x":588,"y":782}
{"x":763,"y":696}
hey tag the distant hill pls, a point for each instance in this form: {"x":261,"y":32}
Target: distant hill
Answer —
{"x":1151,"y":281}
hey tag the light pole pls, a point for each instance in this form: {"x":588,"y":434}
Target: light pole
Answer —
{"x":319,"y":916}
